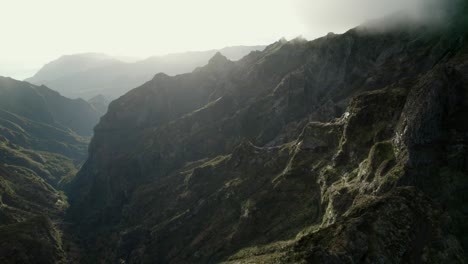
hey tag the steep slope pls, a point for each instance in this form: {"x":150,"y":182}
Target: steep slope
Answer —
{"x":52,"y":153}
{"x":347,"y":149}
{"x":86,"y":76}
{"x":39,"y":155}
{"x":41,"y":104}
{"x":27,"y":204}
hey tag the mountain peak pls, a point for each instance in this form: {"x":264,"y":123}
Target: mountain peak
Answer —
{"x":160,"y":76}
{"x":218,"y":58}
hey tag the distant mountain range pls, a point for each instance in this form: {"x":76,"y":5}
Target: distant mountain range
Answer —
{"x":90,"y":74}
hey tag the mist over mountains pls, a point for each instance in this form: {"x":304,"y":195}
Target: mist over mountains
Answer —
{"x":88,"y":75}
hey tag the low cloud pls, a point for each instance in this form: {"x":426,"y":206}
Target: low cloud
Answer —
{"x":338,"y":16}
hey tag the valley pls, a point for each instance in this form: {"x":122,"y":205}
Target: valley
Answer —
{"x":349,"y":148}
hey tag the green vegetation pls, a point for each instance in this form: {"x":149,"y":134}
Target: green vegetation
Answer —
{"x":381,"y":152}
{"x":33,"y":241}
{"x":215,"y":161}
{"x":56,"y":169}
{"x":39,"y":156}
{"x":271,"y":253}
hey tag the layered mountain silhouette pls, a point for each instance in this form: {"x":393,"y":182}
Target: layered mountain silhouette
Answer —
{"x":41,"y":104}
{"x":350,"y":148}
{"x":88,"y":75}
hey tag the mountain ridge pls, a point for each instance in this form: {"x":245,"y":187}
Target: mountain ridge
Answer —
{"x":43,"y":143}
{"x":54,"y":108}
{"x":343,"y":139}
{"x":112,"y":77}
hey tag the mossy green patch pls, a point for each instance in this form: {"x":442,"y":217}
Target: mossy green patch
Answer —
{"x":381,"y":152}
{"x":215,"y":161}
{"x":35,"y":240}
{"x":270,"y":253}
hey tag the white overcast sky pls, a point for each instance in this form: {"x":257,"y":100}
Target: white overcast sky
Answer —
{"x":34,"y":32}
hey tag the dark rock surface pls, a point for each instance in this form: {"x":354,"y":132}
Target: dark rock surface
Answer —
{"x":347,"y":149}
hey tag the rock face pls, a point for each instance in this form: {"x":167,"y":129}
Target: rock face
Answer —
{"x":350,"y":148}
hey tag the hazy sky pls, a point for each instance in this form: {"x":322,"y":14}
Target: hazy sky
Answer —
{"x":34,"y":32}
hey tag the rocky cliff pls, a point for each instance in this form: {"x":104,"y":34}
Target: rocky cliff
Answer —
{"x":350,"y":148}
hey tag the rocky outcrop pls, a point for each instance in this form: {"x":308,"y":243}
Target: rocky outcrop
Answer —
{"x":402,"y":226}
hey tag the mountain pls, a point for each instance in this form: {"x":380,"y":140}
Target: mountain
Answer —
{"x":71,"y":64}
{"x":41,"y":131}
{"x":88,"y":75}
{"x":349,"y":148}
{"x":99,"y":103}
{"x":41,"y":104}
{"x":40,"y":152}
